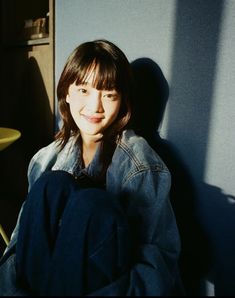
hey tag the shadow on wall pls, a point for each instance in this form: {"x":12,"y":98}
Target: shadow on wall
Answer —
{"x":195,"y":51}
{"x":218,"y":211}
{"x":194,"y":66}
{"x":28,"y":110}
{"x":38,"y":123}
{"x":205,"y":215}
{"x":150,"y":100}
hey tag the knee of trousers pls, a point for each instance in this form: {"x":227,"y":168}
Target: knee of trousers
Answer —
{"x":52,"y":184}
{"x":58,"y":179}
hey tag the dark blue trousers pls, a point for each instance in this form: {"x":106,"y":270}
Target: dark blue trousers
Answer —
{"x":72,"y":240}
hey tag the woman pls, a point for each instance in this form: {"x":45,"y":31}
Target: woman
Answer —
{"x":97,"y":219}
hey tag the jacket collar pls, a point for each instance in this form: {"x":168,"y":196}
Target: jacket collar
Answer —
{"x":69,"y":159}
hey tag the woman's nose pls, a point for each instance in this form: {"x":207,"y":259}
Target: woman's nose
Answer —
{"x":95,"y":103}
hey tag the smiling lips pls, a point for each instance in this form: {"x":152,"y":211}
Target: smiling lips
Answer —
{"x":93,"y":119}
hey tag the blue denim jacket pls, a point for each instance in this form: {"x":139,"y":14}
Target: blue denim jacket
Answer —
{"x":138,"y":174}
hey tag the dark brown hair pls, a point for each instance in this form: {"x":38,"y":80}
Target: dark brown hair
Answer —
{"x":112,"y":71}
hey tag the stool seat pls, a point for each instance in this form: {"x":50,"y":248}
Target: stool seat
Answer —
{"x":8,"y":136}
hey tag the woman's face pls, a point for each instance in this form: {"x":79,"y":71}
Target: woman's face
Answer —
{"x":93,"y":110}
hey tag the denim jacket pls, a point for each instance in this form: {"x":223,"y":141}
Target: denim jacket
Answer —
{"x":141,"y":177}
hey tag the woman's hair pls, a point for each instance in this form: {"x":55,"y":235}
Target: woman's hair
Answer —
{"x":112,"y":71}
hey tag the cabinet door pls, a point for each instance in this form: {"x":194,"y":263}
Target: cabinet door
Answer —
{"x":27,"y":93}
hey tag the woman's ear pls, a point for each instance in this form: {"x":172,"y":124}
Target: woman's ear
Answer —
{"x":67,"y":98}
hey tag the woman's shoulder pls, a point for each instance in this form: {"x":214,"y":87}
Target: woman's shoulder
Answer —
{"x":136,"y":149}
{"x":50,"y":156}
{"x":46,"y":152}
{"x":134,"y":161}
{"x":53,"y":150}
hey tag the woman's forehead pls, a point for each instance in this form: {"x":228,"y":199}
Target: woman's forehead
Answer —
{"x":97,"y":78}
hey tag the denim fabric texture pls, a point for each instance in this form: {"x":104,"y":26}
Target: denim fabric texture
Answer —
{"x":72,"y":240}
{"x":139,"y":177}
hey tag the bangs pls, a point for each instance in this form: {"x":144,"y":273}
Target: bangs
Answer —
{"x":104,"y":75}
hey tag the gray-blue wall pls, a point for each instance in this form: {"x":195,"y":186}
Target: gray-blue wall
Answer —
{"x":193,"y":42}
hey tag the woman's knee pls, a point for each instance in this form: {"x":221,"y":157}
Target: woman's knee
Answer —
{"x":59,"y":179}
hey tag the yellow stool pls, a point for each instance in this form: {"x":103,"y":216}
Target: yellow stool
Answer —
{"x":7,"y":137}
{"x":4,"y":236}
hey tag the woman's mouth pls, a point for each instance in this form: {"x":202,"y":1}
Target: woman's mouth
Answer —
{"x":93,"y":119}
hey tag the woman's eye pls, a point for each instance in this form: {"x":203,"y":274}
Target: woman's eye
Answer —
{"x":111,"y":96}
{"x":82,"y":91}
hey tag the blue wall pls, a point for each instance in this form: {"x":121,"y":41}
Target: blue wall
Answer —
{"x":192,"y":41}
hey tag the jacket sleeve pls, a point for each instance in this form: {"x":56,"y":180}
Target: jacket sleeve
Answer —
{"x":155,"y":271}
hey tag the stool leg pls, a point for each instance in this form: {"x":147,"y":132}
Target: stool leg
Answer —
{"x":4,"y":236}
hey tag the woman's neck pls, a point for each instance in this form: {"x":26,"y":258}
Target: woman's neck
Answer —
{"x":89,"y":147}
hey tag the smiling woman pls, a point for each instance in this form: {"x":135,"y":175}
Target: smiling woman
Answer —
{"x":92,"y":110}
{"x":98,"y":195}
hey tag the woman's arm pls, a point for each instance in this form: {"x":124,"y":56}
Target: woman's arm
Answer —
{"x":155,"y":271}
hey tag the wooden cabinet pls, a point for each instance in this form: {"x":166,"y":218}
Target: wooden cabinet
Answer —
{"x":15,"y":40}
{"x":27,"y":87}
